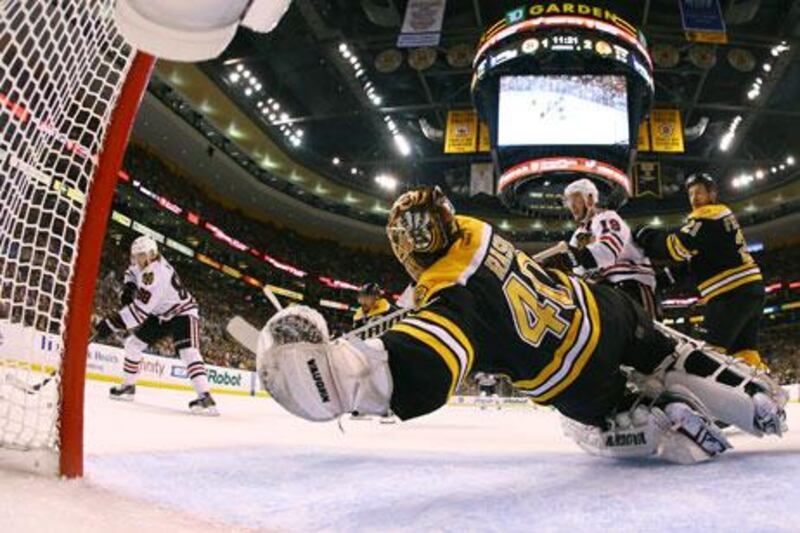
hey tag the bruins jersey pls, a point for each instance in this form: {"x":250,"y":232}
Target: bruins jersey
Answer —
{"x":714,"y":245}
{"x":361,"y":317}
{"x":486,"y":306}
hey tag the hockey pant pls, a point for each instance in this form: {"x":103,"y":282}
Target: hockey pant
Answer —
{"x":185,"y":333}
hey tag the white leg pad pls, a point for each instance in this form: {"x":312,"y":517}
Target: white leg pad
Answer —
{"x":676,"y":434}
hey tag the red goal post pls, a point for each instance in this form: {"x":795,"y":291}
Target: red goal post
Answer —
{"x":70,"y":87}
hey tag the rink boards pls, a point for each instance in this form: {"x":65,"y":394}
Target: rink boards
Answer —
{"x":104,"y":363}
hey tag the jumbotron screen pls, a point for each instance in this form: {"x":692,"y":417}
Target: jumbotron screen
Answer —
{"x":561,"y":110}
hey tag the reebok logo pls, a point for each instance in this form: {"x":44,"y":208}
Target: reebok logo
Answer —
{"x":625,"y":439}
{"x":223,"y":378}
{"x":317,"y":377}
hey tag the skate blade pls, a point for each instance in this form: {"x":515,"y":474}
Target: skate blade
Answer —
{"x":123,"y":398}
{"x":204,"y":411}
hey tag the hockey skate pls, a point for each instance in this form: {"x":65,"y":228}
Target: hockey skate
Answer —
{"x":204,"y":405}
{"x":122,"y":392}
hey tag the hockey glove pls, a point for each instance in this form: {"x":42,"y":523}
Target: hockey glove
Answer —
{"x":643,"y":235}
{"x":102,"y":331}
{"x":128,"y":293}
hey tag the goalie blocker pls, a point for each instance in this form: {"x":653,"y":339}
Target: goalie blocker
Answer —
{"x":485,"y":306}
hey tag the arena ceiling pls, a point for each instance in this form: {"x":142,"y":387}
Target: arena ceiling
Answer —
{"x":338,"y":132}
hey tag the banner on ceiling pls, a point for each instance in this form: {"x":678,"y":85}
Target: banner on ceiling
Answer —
{"x":643,"y":141}
{"x":481,"y":179}
{"x":647,"y":179}
{"x":461,"y":136}
{"x":422,"y":25}
{"x":484,"y":145}
{"x":666,"y":131}
{"x":703,"y":21}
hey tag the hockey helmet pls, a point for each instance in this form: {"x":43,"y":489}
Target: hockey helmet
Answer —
{"x":421,"y":228}
{"x":144,"y":245}
{"x":370,"y":289}
{"x":701,"y":177}
{"x":584,"y":187}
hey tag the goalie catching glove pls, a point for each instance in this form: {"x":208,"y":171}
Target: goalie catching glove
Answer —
{"x":318,"y":379}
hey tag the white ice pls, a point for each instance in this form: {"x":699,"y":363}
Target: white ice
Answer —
{"x":153,"y":467}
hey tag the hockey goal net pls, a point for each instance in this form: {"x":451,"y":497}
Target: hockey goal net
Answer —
{"x":69,"y":89}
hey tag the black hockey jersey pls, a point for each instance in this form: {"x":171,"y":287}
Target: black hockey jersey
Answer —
{"x":714,"y":245}
{"x":487,"y":306}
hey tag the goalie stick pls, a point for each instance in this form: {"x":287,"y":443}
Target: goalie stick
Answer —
{"x":247,"y":334}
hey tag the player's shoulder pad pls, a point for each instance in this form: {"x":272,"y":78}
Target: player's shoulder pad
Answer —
{"x":710,"y":212}
{"x":460,"y":262}
{"x":607,"y":214}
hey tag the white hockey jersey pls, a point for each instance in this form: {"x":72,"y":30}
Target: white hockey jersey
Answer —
{"x":159,"y":293}
{"x":618,"y":258}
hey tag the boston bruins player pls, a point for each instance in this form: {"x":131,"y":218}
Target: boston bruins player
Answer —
{"x":156,"y":305}
{"x":602,"y":248}
{"x":485,"y":306}
{"x":371,"y":305}
{"x":728,"y":279}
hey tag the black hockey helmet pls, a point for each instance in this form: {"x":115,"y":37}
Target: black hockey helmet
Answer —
{"x":701,"y":177}
{"x":370,"y":289}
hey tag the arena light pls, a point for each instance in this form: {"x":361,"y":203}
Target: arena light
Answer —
{"x":234,"y":77}
{"x":779,"y":49}
{"x":386,"y":181}
{"x":759,"y":174}
{"x":727,"y":138}
{"x":790,"y":160}
{"x":353,"y":171}
{"x":336,"y":161}
{"x":402,"y":145}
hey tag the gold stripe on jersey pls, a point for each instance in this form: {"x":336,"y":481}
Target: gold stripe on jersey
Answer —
{"x":454,"y":330}
{"x":750,"y":278}
{"x":676,"y":249}
{"x":725,"y":275}
{"x":558,"y":356}
{"x":461,"y":261}
{"x":572,"y":341}
{"x":450,"y":359}
{"x":712,"y":211}
{"x":588,"y":349}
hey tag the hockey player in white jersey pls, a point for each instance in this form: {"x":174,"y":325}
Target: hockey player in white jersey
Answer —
{"x":156,"y":305}
{"x":602,"y":249}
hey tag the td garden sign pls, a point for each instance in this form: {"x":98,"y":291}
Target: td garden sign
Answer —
{"x":546,"y":9}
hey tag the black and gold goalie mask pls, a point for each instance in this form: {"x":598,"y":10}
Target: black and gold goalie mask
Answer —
{"x":421,"y":228}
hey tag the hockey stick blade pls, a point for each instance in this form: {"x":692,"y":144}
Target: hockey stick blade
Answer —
{"x":243,"y":332}
{"x":17,"y":383}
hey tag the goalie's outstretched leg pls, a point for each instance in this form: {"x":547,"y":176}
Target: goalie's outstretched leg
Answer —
{"x":730,"y":390}
{"x":672,"y":428}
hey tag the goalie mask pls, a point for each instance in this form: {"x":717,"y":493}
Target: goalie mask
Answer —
{"x":421,"y":228}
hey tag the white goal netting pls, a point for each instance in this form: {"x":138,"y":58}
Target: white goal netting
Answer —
{"x":62,"y":66}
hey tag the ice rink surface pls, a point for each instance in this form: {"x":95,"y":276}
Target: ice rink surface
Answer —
{"x":153,"y":467}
